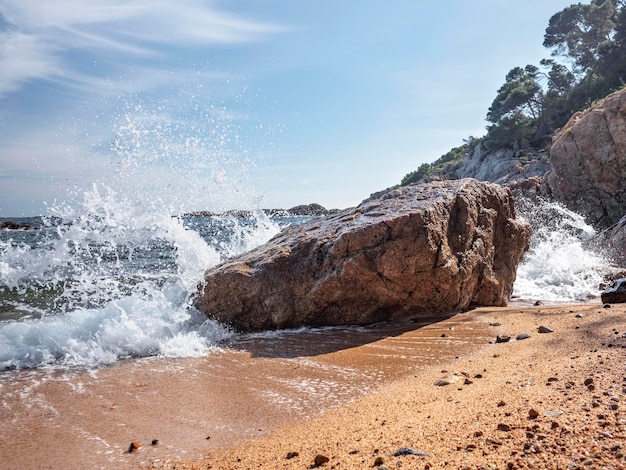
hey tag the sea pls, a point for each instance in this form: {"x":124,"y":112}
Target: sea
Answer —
{"x":107,"y":280}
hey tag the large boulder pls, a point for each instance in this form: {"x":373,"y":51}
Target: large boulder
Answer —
{"x":588,"y":159}
{"x":426,"y":249}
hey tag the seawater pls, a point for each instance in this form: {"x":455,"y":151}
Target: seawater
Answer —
{"x":109,"y":280}
{"x":114,"y":282}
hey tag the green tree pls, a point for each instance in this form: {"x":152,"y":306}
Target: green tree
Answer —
{"x":415,"y":176}
{"x":580,"y":32}
{"x":521,"y":94}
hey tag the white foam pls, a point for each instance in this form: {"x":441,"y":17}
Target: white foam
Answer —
{"x":558,"y":267}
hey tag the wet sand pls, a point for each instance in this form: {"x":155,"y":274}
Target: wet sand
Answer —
{"x":554,"y":400}
{"x":247,"y":390}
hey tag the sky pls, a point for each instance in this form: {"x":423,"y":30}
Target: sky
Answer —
{"x":215,"y":105}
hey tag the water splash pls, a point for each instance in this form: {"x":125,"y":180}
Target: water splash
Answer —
{"x":559,"y":267}
{"x":112,"y":275}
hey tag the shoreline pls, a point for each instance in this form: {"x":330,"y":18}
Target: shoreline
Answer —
{"x":254,"y":387}
{"x":553,"y":400}
{"x":353,"y":396}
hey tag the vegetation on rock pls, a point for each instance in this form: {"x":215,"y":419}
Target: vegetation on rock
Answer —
{"x":588,"y":49}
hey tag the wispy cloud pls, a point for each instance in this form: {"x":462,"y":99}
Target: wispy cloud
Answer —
{"x":37,"y":36}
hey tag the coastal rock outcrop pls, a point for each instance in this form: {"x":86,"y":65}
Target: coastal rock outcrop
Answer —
{"x":501,"y":166}
{"x":588,"y":160}
{"x":421,"y":249}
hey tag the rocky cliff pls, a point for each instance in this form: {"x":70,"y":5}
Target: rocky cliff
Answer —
{"x":588,"y":163}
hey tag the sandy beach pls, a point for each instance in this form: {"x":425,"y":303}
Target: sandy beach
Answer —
{"x":352,"y":398}
{"x":552,"y":400}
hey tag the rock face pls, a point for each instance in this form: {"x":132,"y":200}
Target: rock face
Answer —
{"x":425,"y":249}
{"x":588,"y":158}
{"x":501,"y":166}
{"x":616,"y":294}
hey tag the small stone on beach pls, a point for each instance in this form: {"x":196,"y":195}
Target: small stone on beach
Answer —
{"x":409,"y":451}
{"x":545,"y":329}
{"x":320,"y":460}
{"x":133,"y":447}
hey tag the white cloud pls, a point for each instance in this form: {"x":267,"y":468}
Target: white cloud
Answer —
{"x":24,"y":57}
{"x":38,"y":35}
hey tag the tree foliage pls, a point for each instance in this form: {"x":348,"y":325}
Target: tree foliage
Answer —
{"x":587,"y":43}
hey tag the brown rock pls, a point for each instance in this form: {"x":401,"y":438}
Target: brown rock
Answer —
{"x":588,"y":159}
{"x":133,"y":447}
{"x":320,"y":460}
{"x":422,"y":249}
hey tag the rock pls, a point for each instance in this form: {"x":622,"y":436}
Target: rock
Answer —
{"x":133,"y":447}
{"x":503,"y":339}
{"x":409,"y":451}
{"x":448,"y":380}
{"x":10,"y":225}
{"x":378,"y":461}
{"x":533,"y":413}
{"x":504,"y":427}
{"x":616,"y":294}
{"x":426,"y":249}
{"x":588,"y":162}
{"x":291,"y":455}
{"x":501,"y":166}
{"x":545,"y":329}
{"x":612,"y":242}
{"x":155,"y":442}
{"x":320,"y":460}
{"x":522,"y":336}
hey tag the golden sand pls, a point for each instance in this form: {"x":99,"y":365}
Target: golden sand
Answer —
{"x":350,"y":398}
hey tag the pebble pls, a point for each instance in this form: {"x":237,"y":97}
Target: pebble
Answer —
{"x":133,"y":447}
{"x":320,"y":460}
{"x":554,"y":413}
{"x":533,"y":413}
{"x":503,"y":339}
{"x":448,"y":379}
{"x":292,"y":455}
{"x":579,"y":315}
{"x":504,"y":427}
{"x":522,"y":336}
{"x":409,"y":451}
{"x":545,"y":329}
{"x":378,"y":461}
{"x":154,"y":442}
{"x":606,"y":306}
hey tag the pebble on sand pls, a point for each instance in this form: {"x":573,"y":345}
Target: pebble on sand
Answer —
{"x":320,"y":460}
{"x":133,"y":447}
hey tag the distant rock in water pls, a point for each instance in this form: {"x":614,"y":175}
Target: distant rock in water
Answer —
{"x":303,"y":210}
{"x":10,"y":225}
{"x":588,"y":159}
{"x":417,"y":250}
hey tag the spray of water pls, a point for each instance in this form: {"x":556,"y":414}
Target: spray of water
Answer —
{"x":558,"y":267}
{"x":112,"y":275}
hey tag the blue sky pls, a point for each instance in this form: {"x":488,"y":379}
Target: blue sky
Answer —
{"x":234,"y":104}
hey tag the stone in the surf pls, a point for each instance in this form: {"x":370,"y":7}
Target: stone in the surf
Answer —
{"x":435,"y":248}
{"x":616,"y":294}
